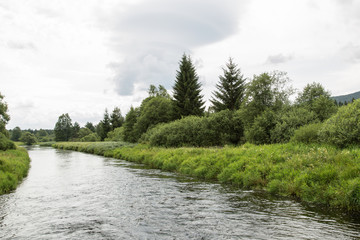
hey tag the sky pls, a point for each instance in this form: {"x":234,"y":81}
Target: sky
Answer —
{"x":84,"y":56}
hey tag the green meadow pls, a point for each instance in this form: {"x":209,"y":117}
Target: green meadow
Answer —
{"x":14,"y":166}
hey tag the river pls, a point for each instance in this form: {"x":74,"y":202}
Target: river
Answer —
{"x":72,"y":195}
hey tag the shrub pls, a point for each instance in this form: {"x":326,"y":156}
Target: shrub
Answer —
{"x":5,"y":143}
{"x":218,"y":129}
{"x":343,"y":129}
{"x":93,"y":137}
{"x":289,"y":121}
{"x":307,"y":134}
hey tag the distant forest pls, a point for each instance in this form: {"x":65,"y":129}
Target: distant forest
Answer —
{"x":344,"y":99}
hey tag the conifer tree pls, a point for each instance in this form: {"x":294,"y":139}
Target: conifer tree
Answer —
{"x":116,"y":118}
{"x":230,"y":89}
{"x":187,"y":89}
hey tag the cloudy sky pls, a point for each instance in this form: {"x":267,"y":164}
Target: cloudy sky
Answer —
{"x":82,"y":56}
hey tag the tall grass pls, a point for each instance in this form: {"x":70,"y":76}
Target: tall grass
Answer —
{"x":14,"y":166}
{"x":313,"y":173}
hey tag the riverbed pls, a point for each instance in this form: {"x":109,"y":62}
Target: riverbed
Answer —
{"x":72,"y":195}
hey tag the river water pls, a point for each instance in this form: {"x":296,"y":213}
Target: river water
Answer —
{"x":72,"y":195}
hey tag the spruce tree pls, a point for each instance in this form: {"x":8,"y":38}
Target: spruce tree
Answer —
{"x":230,"y":89}
{"x":187,"y":89}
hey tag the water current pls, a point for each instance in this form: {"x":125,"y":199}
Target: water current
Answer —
{"x":72,"y":195}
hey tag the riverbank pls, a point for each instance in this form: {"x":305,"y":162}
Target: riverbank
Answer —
{"x":316,"y":174}
{"x":14,"y":166}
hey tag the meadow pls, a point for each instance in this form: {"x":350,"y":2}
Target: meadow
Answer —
{"x":14,"y":166}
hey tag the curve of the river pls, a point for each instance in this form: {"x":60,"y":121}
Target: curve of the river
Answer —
{"x":72,"y":195}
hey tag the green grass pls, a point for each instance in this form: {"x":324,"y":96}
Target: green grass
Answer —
{"x":312,"y":173}
{"x":14,"y":166}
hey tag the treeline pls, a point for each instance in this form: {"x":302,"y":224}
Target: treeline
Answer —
{"x":256,"y":110}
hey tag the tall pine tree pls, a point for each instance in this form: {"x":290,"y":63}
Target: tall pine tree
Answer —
{"x":230,"y":89}
{"x":187,"y":89}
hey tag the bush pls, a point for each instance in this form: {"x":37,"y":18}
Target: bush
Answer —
{"x":289,"y":121}
{"x":307,"y":134}
{"x":5,"y":143}
{"x":343,"y":129}
{"x":218,"y":129}
{"x":93,"y":137}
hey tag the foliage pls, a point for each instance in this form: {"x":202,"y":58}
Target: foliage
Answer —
{"x":310,"y":93}
{"x":312,"y":173}
{"x":14,"y":166}
{"x":90,"y":126}
{"x":116,"y":119}
{"x":290,"y":120}
{"x":16,"y":134}
{"x":99,"y":148}
{"x":315,"y":98}
{"x":28,"y":138}
{"x":84,"y":132}
{"x":343,"y":129}
{"x":153,"y":111}
{"x":75,"y":130}
{"x":187,"y":89}
{"x":5,"y":143}
{"x":116,"y":135}
{"x":230,"y":89}
{"x":104,"y":126}
{"x":217,"y":129}
{"x":307,"y":134}
{"x":63,"y":128}
{"x":265,"y":91}
{"x":93,"y":137}
{"x":4,"y":117}
{"x":130,"y":120}
{"x":260,"y":130}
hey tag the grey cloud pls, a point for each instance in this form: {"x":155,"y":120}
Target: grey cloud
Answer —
{"x":18,"y":45}
{"x":278,"y":58}
{"x":152,"y":36}
{"x":351,"y":52}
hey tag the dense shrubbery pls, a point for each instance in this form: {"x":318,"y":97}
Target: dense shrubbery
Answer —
{"x":307,"y":134}
{"x":218,"y":129}
{"x":343,"y":129}
{"x":14,"y":166}
{"x":5,"y":143}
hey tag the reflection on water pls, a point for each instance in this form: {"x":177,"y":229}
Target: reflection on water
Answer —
{"x":71,"y":195}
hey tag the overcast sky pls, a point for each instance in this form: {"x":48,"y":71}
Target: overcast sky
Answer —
{"x":82,"y":56}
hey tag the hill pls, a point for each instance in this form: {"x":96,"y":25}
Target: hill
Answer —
{"x":347,"y":98}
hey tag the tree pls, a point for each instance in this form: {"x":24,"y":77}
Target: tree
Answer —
{"x":104,"y":126}
{"x":231,"y":88}
{"x":266,"y":91}
{"x":116,"y":118}
{"x":28,"y":138}
{"x":75,"y":130}
{"x":130,"y":120}
{"x":156,"y":110}
{"x":16,"y":134}
{"x":315,"y":98}
{"x":4,"y":117}
{"x":187,"y":89}
{"x":63,"y":128}
{"x":90,"y":126}
{"x":310,"y":93}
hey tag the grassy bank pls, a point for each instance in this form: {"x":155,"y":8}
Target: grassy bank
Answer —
{"x":317,"y":174}
{"x":14,"y":166}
